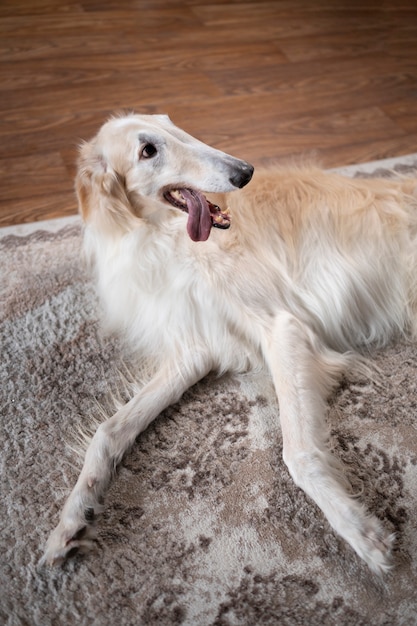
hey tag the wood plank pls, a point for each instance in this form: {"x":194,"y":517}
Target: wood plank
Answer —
{"x":96,"y":67}
{"x":307,"y":18}
{"x":397,"y":42}
{"x":271,"y":137}
{"x":38,"y":207}
{"x":51,"y":189}
{"x":378,"y":74}
{"x":363,"y":152}
{"x":45,"y":171}
{"x":168,"y":18}
{"x":403,"y":113}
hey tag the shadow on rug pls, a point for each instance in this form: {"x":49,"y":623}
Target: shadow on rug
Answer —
{"x":203,"y":525}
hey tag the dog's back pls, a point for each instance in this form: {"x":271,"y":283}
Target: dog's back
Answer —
{"x":336,"y":252}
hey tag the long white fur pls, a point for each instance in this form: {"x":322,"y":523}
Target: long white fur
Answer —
{"x":314,"y":267}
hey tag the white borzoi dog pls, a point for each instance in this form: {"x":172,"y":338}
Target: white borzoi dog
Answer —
{"x":295,"y":271}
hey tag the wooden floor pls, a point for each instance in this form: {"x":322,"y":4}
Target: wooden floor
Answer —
{"x":264,"y":80}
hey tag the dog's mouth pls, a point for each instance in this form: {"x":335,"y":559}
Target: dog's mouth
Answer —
{"x":202,"y":214}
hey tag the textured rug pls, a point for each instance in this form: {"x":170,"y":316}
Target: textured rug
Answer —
{"x":202,"y":525}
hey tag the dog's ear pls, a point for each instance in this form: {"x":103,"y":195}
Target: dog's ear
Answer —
{"x":101,"y":191}
{"x":87,"y":182}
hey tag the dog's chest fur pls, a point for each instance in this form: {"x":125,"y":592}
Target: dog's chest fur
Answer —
{"x":162,"y":298}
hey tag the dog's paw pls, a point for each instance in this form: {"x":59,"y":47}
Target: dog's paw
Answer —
{"x":375,"y":546}
{"x":66,"y":540}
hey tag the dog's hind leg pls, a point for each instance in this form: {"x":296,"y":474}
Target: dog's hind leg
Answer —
{"x":304,"y":373}
{"x":111,"y":440}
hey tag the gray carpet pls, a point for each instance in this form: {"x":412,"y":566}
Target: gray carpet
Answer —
{"x":202,"y":525}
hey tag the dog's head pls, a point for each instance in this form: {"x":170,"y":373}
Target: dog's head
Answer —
{"x":140,"y":165}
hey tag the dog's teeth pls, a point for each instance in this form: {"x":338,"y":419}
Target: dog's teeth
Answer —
{"x":223,"y":218}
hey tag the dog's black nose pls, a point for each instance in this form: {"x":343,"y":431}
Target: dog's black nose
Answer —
{"x":242,"y":175}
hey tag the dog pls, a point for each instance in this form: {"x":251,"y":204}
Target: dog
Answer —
{"x":200,"y":271}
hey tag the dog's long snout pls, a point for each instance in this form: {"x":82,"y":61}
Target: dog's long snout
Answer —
{"x":242,"y":173}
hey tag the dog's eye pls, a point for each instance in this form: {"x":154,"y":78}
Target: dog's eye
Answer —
{"x":148,"y":151}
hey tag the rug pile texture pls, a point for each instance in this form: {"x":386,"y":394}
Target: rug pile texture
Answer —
{"x":203,"y":524}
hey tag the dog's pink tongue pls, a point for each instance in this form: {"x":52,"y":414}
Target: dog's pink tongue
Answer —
{"x":199,"y":218}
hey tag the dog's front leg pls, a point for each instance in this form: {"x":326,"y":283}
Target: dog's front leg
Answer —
{"x":111,"y":440}
{"x":304,"y":373}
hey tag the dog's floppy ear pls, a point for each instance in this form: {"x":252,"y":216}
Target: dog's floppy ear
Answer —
{"x":90,"y":174}
{"x":101,"y":191}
